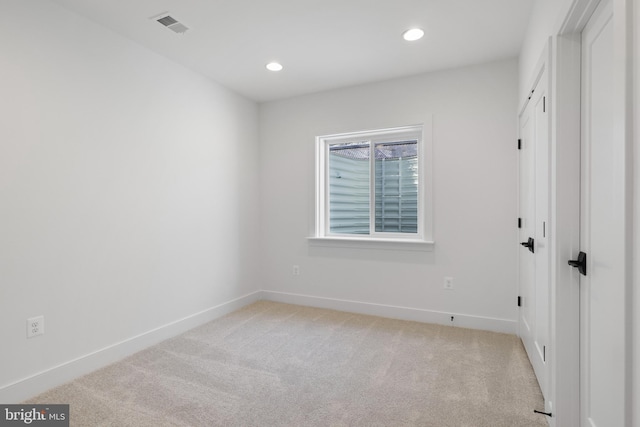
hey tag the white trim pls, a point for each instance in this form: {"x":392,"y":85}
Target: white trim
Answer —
{"x":635,"y":300}
{"x":565,"y":228}
{"x":577,"y":17}
{"x":623,"y":135}
{"x":371,"y":243}
{"x":396,"y":312}
{"x":67,"y":371}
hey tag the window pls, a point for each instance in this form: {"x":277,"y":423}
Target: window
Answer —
{"x":372,"y":186}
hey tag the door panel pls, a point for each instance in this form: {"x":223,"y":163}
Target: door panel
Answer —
{"x":602,"y":233}
{"x":542,"y":255}
{"x":527,"y":222}
{"x":534,"y":211}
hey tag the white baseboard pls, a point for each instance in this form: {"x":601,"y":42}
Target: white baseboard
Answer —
{"x":45,"y":380}
{"x":42,"y":381}
{"x":395,"y":312}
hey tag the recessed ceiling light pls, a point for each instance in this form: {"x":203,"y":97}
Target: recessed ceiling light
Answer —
{"x":413,"y":34}
{"x":274,"y":66}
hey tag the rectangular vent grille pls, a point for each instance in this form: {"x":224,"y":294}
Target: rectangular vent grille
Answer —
{"x":167,"y":20}
{"x":171,"y":23}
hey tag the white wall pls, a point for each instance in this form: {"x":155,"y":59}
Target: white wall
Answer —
{"x":128,"y":190}
{"x":474,"y":182}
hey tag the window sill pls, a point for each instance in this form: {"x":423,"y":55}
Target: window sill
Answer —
{"x":372,"y":243}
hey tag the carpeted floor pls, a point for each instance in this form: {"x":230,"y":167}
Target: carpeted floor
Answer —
{"x":272,"y":364}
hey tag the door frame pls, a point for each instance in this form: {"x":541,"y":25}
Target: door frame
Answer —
{"x":565,"y":204}
{"x":635,"y":352}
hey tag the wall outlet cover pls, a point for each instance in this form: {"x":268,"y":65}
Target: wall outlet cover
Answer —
{"x":35,"y":326}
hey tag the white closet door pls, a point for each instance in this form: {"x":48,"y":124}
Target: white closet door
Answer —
{"x":601,"y":232}
{"x":534,"y":229}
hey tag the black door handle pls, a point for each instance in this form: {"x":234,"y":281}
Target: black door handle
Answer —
{"x":580,"y":263}
{"x":528,"y":244}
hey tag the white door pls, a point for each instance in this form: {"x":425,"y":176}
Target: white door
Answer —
{"x":534,"y":276}
{"x":602,"y":382}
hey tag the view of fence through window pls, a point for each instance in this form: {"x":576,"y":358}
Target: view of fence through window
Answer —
{"x":394,"y":181}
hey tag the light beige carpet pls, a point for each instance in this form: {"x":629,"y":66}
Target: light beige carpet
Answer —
{"x":272,"y":364}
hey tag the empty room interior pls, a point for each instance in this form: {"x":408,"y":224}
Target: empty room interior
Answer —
{"x":313,"y":213}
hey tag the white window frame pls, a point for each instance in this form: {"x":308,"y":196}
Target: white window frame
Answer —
{"x":423,"y":239}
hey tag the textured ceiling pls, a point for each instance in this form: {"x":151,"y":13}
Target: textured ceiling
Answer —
{"x":323,"y":44}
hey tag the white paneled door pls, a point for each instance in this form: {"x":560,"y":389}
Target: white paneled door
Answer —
{"x":534,"y":230}
{"x":602,"y":237}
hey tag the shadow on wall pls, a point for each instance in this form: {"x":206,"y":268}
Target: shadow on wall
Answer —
{"x":377,"y":255}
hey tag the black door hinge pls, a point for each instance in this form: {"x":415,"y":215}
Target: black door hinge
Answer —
{"x":519,"y":144}
{"x":519,"y":301}
{"x":544,"y":104}
{"x":519,"y":222}
{"x":544,"y":353}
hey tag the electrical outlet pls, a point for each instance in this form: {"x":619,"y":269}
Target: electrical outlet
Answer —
{"x":448,"y":283}
{"x":296,"y":270}
{"x":35,"y":326}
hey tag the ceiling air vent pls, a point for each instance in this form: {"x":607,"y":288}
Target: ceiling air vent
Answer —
{"x":171,"y":23}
